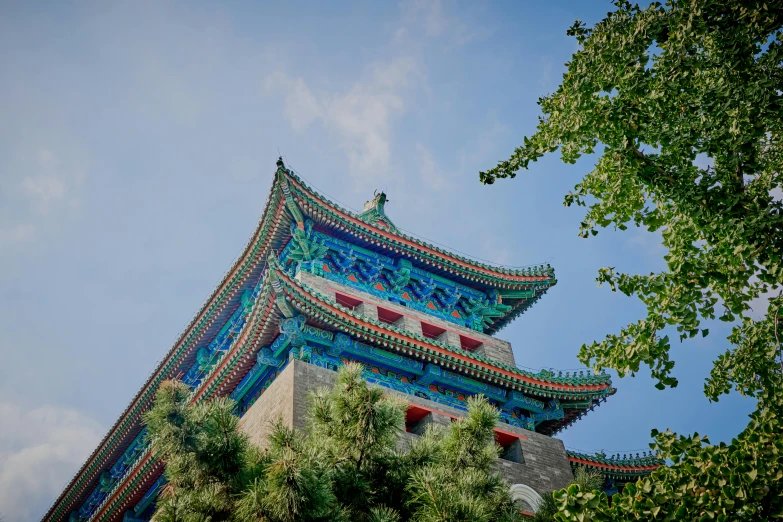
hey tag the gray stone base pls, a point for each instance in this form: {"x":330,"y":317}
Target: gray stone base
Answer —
{"x":542,"y":463}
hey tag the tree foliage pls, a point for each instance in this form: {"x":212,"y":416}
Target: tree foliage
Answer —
{"x":344,"y":467}
{"x":683,"y":103}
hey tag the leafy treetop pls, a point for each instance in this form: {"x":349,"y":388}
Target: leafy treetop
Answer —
{"x":683,"y":102}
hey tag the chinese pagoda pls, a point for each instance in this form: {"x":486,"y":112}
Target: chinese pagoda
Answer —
{"x":318,"y":286}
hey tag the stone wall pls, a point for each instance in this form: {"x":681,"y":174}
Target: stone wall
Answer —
{"x":277,"y":402}
{"x":544,"y":465}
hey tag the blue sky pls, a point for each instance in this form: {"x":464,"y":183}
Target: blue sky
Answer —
{"x":138,"y":147}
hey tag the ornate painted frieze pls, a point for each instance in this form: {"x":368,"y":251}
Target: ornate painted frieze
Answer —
{"x":149,"y":497}
{"x":208,"y":356}
{"x":398,"y":282}
{"x":387,"y":369}
{"x":108,"y":479}
{"x":131,"y":454}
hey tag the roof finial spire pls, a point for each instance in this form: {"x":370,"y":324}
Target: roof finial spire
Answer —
{"x":374,"y":213}
{"x":377,"y":202}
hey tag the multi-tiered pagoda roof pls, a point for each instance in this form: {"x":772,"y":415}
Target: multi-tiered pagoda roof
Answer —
{"x":245,"y":327}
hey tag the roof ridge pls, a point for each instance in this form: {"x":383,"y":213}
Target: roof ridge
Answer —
{"x":615,"y":460}
{"x":370,"y":216}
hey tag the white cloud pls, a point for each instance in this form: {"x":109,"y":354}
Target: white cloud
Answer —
{"x":359,"y":117}
{"x":45,"y":190}
{"x":19,"y":232}
{"x":431,"y":13}
{"x":46,"y":180}
{"x":40,"y":450}
{"x":301,"y":106}
{"x":40,"y":184}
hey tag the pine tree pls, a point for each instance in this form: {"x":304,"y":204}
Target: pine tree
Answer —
{"x":454,"y":480}
{"x":345,"y":466}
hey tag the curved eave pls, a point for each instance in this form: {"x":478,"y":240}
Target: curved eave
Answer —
{"x":271,"y":233}
{"x":573,"y":412}
{"x":623,"y":468}
{"x":518,"y":307}
{"x":313,"y":303}
{"x":328,"y":214}
{"x":131,"y":488}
